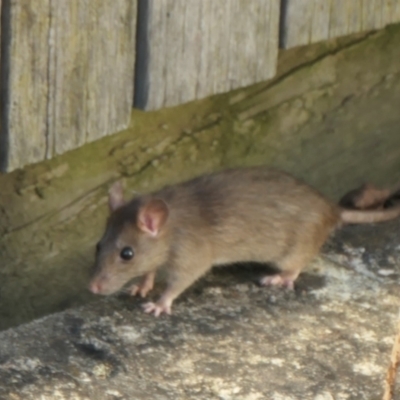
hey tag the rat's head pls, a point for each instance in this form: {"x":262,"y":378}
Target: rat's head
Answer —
{"x":133,"y":244}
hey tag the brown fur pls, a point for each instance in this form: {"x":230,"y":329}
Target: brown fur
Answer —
{"x":252,"y":214}
{"x":366,"y":197}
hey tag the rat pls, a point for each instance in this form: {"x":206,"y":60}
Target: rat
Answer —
{"x":253,"y":214}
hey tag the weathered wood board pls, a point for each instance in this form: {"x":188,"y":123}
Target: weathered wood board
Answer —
{"x":67,"y":67}
{"x":24,"y":82}
{"x":70,"y":75}
{"x":310,"y":21}
{"x":190,"y":49}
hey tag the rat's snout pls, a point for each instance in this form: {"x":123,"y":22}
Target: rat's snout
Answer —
{"x":103,"y":284}
{"x":95,"y":287}
{"x":99,"y":285}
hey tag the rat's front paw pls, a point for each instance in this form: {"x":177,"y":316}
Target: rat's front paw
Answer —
{"x":141,"y":290}
{"x":156,"y":308}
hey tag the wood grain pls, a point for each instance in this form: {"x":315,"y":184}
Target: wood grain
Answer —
{"x":310,"y":21}
{"x":196,"y":49}
{"x":24,"y":128}
{"x":71,"y":75}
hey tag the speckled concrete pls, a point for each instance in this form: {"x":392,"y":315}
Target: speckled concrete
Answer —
{"x":228,"y":338}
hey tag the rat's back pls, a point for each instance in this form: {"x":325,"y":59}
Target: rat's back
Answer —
{"x":250,"y":214}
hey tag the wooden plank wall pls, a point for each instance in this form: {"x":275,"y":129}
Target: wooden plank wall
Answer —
{"x":192,"y":49}
{"x":69,"y":75}
{"x":310,"y":21}
{"x":67,"y":67}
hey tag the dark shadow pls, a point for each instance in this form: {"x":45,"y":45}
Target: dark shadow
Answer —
{"x":141,"y":79}
{"x":282,"y":30}
{"x":4,"y":82}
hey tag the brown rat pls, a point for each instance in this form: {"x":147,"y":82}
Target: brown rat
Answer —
{"x":250,"y":214}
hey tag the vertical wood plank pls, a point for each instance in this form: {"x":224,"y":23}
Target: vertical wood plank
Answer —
{"x":208,"y":48}
{"x":338,"y":21}
{"x":212,"y":47}
{"x":371,"y":14}
{"x":69,"y":76}
{"x":395,"y":11}
{"x":320,"y":20}
{"x":392,"y":8}
{"x":157,"y":23}
{"x":91,"y":88}
{"x":24,"y":128}
{"x":390,"y":11}
{"x":252,"y":37}
{"x":202,"y":80}
{"x":239,"y":65}
{"x":267,"y":39}
{"x":354,"y":17}
{"x":175,"y":18}
{"x":346,"y":17}
{"x":333,"y":18}
{"x":112,"y":66}
{"x":191,"y":59}
{"x":297,"y":22}
{"x":219,"y":37}
{"x":387,"y":10}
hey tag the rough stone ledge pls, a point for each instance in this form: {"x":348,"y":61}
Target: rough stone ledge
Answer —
{"x":228,"y":338}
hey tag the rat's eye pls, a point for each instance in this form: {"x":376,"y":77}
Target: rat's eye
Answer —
{"x":126,"y":253}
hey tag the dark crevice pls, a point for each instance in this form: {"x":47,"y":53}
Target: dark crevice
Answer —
{"x":141,"y":77}
{"x":282,"y":15}
{"x":4,"y":82}
{"x":49,"y":117}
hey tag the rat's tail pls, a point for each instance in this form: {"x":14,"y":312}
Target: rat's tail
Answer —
{"x":368,"y":216}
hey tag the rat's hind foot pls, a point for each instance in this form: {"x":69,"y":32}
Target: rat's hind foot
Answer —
{"x":156,"y":308}
{"x":281,"y":280}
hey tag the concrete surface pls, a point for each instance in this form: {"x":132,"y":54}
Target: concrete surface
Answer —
{"x":227,"y":339}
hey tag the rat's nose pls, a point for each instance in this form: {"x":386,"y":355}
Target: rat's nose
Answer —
{"x":95,"y":287}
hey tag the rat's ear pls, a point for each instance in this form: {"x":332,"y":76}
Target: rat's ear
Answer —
{"x":152,"y":216}
{"x":116,"y":196}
